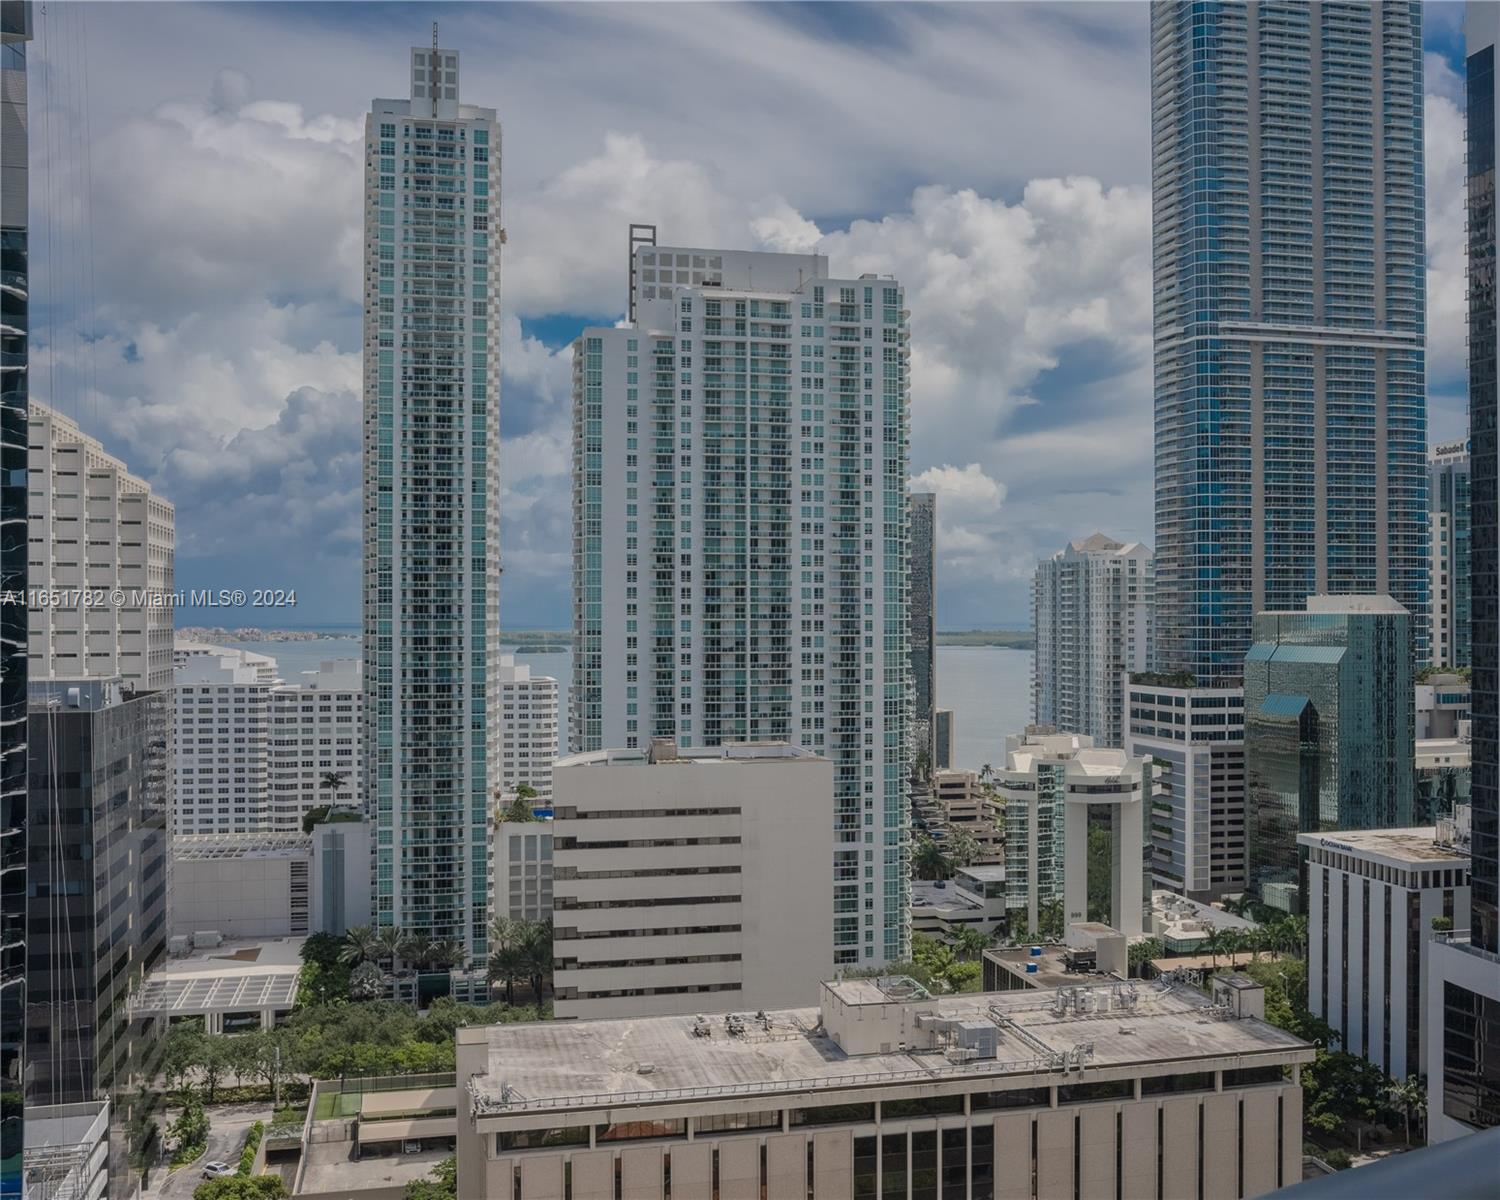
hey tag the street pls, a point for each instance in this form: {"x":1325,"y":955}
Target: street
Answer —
{"x":228,"y":1124}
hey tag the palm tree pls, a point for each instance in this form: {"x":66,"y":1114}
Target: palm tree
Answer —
{"x":361,"y":944}
{"x":1213,"y":942}
{"x":412,"y":949}
{"x":536,"y":954}
{"x":970,"y":944}
{"x":1408,"y":1097}
{"x":963,"y":848}
{"x":508,"y":964}
{"x":332,"y":781}
{"x":390,"y":939}
{"x":446,"y":953}
{"x":504,"y":931}
{"x":929,"y":861}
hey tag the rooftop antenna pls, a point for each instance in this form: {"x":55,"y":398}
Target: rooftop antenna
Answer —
{"x":434,"y":37}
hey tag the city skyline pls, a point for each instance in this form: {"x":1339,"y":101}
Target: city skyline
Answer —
{"x":1052,"y":249}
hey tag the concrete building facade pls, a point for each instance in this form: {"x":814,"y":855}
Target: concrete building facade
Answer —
{"x":523,"y":870}
{"x":95,"y":528}
{"x":884,"y":1090}
{"x":1372,"y":898}
{"x":432,"y":239}
{"x":223,"y":712}
{"x":1091,"y":606}
{"x":686,"y":879}
{"x":528,"y":729}
{"x":1053,"y":785}
{"x":315,"y":752}
{"x":1195,"y":739}
{"x":922,"y":524}
{"x":1448,"y":504}
{"x":740,"y":552}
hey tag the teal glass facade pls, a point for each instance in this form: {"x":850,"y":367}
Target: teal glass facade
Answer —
{"x":1289,"y":260}
{"x":741,"y":540}
{"x":431,"y":539}
{"x":1330,"y":727}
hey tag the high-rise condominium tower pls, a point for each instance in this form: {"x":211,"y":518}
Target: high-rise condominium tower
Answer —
{"x":1091,"y":609}
{"x":1290,"y":303}
{"x":432,"y":492}
{"x":740,"y":538}
{"x":922,"y":595}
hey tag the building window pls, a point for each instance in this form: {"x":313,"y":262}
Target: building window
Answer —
{"x":1471,"y":1057}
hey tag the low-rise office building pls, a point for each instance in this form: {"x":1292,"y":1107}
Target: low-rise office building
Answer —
{"x":686,"y":879}
{"x":883,"y":1090}
{"x":974,"y":898}
{"x":1195,"y":739}
{"x":1183,"y":925}
{"x":1373,"y":897}
{"x":273,"y":885}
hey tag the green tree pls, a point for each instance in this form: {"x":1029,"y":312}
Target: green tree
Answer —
{"x":366,"y":982}
{"x":507,"y":964}
{"x":536,"y":954}
{"x":1213,"y":945}
{"x":361,"y":944}
{"x":928,"y":860}
{"x":241,"y":1187}
{"x":189,"y":1132}
{"x":962,"y":847}
{"x":441,"y":1183}
{"x":1409,"y":1097}
{"x":1142,"y":952}
{"x":970,"y":944}
{"x":391,"y":939}
{"x":1100,"y":868}
{"x":519,"y":809}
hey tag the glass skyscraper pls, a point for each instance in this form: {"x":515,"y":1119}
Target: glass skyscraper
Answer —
{"x":740,"y":535}
{"x":1330,"y":722}
{"x":432,"y":491}
{"x":1288,"y":196}
{"x":15,"y":31}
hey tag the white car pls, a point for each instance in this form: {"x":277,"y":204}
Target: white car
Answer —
{"x":217,"y":1170}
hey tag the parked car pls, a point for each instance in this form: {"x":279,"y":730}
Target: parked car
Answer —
{"x":217,"y":1170}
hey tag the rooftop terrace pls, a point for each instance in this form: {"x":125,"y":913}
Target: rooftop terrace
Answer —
{"x":551,"y":1065}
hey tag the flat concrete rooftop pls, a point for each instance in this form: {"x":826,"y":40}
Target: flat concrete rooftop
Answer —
{"x":1417,"y":845}
{"x":1051,"y":967}
{"x":551,"y":1065}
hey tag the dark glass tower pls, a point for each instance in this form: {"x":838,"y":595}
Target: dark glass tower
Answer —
{"x":1484,"y":512}
{"x":1289,"y":317}
{"x":15,"y":31}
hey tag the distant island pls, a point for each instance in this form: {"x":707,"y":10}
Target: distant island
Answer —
{"x":1011,"y":639}
{"x":249,"y":633}
{"x":538,"y":641}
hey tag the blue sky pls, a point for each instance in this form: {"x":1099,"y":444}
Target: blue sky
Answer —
{"x":196,"y":197}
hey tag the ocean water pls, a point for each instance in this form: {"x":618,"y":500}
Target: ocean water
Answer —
{"x":987,"y":687}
